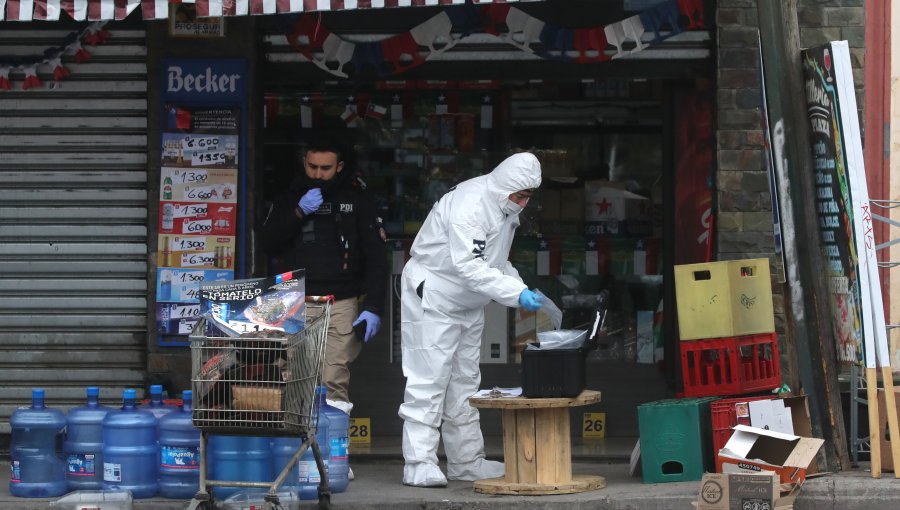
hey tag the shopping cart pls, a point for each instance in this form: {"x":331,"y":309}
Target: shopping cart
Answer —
{"x":259,"y":384}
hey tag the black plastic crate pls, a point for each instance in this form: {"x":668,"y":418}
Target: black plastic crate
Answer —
{"x":553,"y":373}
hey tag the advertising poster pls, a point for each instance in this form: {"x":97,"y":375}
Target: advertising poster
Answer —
{"x":834,"y":201}
{"x":200,"y":171}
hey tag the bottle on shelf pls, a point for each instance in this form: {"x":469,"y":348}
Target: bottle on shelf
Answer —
{"x":36,"y":469}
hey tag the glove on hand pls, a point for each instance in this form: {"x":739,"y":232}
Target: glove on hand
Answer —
{"x":530,"y":301}
{"x":310,"y":202}
{"x":373,"y":324}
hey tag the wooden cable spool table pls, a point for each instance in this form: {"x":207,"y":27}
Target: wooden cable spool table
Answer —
{"x":537,"y":446}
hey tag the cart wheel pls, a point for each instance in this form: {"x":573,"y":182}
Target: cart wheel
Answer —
{"x":324,"y":500}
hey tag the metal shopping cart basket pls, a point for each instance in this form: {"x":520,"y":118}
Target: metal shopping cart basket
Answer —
{"x":259,"y":384}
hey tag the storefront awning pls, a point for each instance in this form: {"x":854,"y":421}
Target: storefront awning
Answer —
{"x":100,"y":10}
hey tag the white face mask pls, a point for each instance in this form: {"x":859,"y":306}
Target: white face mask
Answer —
{"x":509,"y":207}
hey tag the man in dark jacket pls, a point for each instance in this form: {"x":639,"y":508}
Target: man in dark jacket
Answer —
{"x":323,"y":223}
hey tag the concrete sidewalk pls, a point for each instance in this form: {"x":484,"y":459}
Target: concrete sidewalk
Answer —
{"x":377,"y":487}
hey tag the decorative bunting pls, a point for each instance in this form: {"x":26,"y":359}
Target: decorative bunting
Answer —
{"x":31,"y":78}
{"x":92,"y":35}
{"x":4,"y":78}
{"x":443,"y":31}
{"x":97,"y":10}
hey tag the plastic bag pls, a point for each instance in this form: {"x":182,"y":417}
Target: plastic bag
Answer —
{"x":560,"y":339}
{"x":550,"y":308}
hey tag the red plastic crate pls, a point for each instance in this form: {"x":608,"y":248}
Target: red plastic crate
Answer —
{"x":723,"y":416}
{"x":730,"y":366}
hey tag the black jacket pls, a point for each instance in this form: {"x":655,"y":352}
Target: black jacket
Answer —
{"x":339,"y":245}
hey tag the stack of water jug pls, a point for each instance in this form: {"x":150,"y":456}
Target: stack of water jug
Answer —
{"x":153,"y":450}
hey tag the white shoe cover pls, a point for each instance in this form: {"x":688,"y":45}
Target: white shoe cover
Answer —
{"x":340,"y":404}
{"x":423,"y":474}
{"x":478,"y":469}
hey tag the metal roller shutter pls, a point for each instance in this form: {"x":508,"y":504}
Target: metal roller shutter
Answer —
{"x":73,"y":223}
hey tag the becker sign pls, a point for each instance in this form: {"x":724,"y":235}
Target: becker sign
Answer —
{"x":205,"y":80}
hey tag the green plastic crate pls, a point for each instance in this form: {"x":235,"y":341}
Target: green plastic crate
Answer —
{"x":675,"y":439}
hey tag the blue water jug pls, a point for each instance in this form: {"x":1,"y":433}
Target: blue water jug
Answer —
{"x":130,"y":452}
{"x":156,"y":405}
{"x":83,"y":447}
{"x":338,"y":443}
{"x":305,"y":475}
{"x":239,"y":458}
{"x":36,"y":469}
{"x":179,"y":452}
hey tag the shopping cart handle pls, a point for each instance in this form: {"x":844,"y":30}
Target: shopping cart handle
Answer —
{"x":320,"y":299}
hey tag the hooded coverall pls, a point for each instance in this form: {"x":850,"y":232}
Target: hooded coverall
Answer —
{"x":459,"y":263}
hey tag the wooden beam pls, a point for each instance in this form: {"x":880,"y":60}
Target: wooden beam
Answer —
{"x":809,"y":317}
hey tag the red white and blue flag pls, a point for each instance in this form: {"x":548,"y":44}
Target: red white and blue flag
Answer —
{"x":97,"y":10}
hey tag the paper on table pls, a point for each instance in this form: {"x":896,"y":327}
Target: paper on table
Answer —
{"x":499,"y":392}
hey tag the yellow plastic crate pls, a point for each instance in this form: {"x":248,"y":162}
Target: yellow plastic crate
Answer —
{"x":720,"y":299}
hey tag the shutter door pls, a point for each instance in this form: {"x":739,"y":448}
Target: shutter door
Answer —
{"x":73,"y":222}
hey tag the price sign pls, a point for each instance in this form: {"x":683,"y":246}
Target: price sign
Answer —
{"x":593,"y":426}
{"x":191,"y":176}
{"x":197,"y":259}
{"x":200,"y":142}
{"x":182,"y":311}
{"x":360,"y":431}
{"x":207,"y":158}
{"x":189,"y":293}
{"x":191,"y":210}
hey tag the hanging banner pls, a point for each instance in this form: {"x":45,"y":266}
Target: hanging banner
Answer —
{"x":202,"y":111}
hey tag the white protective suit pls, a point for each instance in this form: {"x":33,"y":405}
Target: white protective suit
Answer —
{"x":459,"y":263}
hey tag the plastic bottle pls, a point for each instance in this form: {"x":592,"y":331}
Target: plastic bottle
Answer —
{"x":156,"y":406}
{"x":94,"y":500}
{"x":305,"y":474}
{"x":36,"y":469}
{"x":83,"y":447}
{"x":130,"y":452}
{"x":179,"y":452}
{"x":338,"y":443}
{"x":255,"y":498}
{"x":238,"y":458}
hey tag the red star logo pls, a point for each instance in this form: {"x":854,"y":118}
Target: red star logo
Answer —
{"x":603,"y":206}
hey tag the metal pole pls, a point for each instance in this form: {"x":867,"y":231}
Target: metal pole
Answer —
{"x":809,"y":325}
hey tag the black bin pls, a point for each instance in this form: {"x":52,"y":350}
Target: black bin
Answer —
{"x":553,"y":373}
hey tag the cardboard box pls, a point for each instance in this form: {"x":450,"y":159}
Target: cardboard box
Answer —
{"x":754,"y":450}
{"x":739,"y":492}
{"x":256,"y":398}
{"x":724,"y":299}
{"x":603,"y":201}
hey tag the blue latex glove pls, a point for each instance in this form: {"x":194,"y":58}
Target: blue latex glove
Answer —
{"x":373,"y":324}
{"x":310,"y":202}
{"x":530,"y":301}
